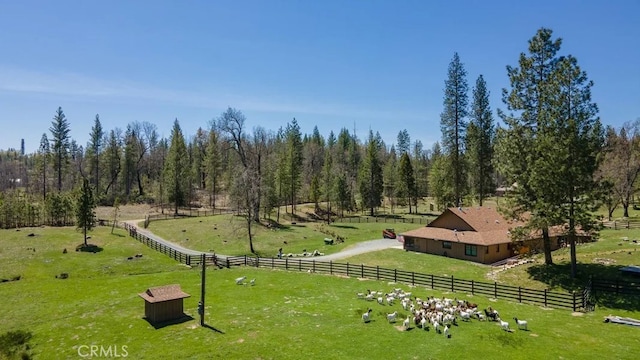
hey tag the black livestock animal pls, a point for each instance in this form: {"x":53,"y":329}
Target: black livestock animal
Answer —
{"x":491,"y":315}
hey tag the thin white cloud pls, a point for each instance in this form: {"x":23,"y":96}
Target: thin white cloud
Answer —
{"x":15,"y":80}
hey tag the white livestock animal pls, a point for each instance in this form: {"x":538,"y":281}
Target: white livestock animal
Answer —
{"x":380,"y":300}
{"x":504,"y":325}
{"x":480,"y":316}
{"x":405,"y":304}
{"x":522,"y":324}
{"x":423,"y":324}
{"x":436,"y":325}
{"x":465,"y":316}
{"x":366,"y":317}
{"x":392,"y":317}
{"x":240,"y":280}
{"x":406,"y":323}
{"x":252,"y":282}
{"x":446,"y":332}
{"x":360,"y":295}
{"x":369,"y":297}
{"x":390,"y":300}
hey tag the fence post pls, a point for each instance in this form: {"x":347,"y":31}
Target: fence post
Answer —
{"x":189,"y":260}
{"x":431,"y":281}
{"x":495,"y":290}
{"x":545,"y":297}
{"x":362,"y":271}
{"x":228,"y":265}
{"x":299,"y":265}
{"x":452,"y":287}
{"x":377,"y":272}
{"x":245,"y":257}
{"x":413,"y":276}
{"x":347,"y":269}
{"x":330,"y":267}
{"x":395,"y":275}
{"x":272,"y":263}
{"x":519,"y":294}
{"x":574,"y":300}
{"x":314,"y":266}
{"x":471,"y":287}
{"x":258,"y":261}
{"x":286,"y":263}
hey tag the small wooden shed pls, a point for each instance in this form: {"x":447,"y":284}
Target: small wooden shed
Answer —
{"x":163,"y":303}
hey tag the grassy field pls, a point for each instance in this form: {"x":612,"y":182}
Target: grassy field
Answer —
{"x":227,"y":234}
{"x":286,"y":315}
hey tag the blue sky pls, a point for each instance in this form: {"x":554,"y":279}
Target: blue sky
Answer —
{"x":377,"y":65}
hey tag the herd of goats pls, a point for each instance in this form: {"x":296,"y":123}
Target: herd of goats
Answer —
{"x":439,"y":313}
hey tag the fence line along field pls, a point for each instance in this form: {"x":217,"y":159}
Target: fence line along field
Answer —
{"x":285,"y":315}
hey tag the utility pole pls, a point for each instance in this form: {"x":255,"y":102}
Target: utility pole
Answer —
{"x":201,"y":303}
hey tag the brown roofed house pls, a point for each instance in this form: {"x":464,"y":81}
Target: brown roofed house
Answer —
{"x":164,"y":303}
{"x":479,"y":234}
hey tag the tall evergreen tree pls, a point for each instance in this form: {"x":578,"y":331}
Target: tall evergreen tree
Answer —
{"x":294,"y":161}
{"x":112,"y":158}
{"x":60,"y":140}
{"x":390,"y":176}
{"x":550,"y":151}
{"x":177,"y":169}
{"x":94,"y":149}
{"x":328,"y":176}
{"x":371,"y":181}
{"x":480,"y":135}
{"x":404,"y":142}
{"x":85,"y":209}
{"x":453,"y":123}
{"x":407,"y":180}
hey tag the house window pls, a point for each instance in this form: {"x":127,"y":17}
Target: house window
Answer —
{"x":471,"y":250}
{"x":446,"y":244}
{"x":486,"y":250}
{"x":408,"y":243}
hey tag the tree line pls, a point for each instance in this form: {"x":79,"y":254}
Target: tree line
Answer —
{"x":553,"y":155}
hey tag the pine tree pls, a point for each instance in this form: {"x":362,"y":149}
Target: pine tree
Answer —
{"x":480,"y":135}
{"x":294,"y":161}
{"x":407,"y":180}
{"x":371,"y":181}
{"x":453,"y":123}
{"x":85,"y":209}
{"x":550,"y":149}
{"x":60,"y":139}
{"x":177,"y":169}
{"x":94,"y":148}
{"x":390,"y":176}
{"x":404,"y":142}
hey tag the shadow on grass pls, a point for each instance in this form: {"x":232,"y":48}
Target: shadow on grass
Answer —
{"x":160,"y":325}
{"x":92,"y":248}
{"x":558,"y":276}
{"x":207,"y":326}
{"x":344,"y":226}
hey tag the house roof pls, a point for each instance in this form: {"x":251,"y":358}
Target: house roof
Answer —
{"x":466,"y":237}
{"x":480,"y":218}
{"x":486,"y":227}
{"x":164,"y":293}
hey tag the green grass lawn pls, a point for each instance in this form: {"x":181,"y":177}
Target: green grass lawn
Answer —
{"x":286,"y":315}
{"x":227,"y":234}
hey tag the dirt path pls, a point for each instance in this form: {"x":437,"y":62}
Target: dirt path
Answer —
{"x":356,"y":249}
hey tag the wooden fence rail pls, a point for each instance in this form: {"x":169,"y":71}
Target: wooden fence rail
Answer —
{"x":574,"y":301}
